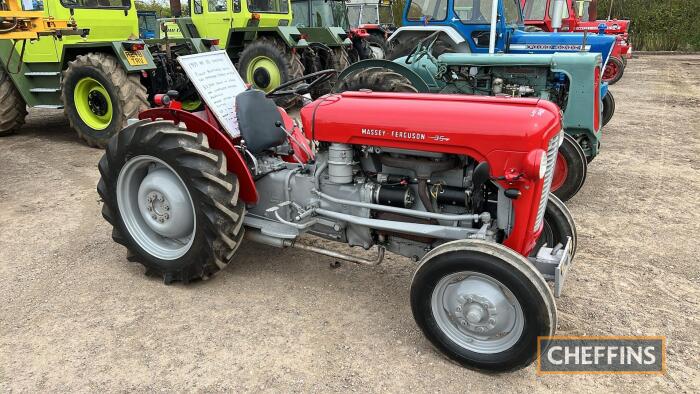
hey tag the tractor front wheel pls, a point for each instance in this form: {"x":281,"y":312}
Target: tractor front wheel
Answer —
{"x":99,"y":97}
{"x":13,"y":109}
{"x":267,"y":63}
{"x":558,"y":225}
{"x":482,"y":305}
{"x":608,"y":107}
{"x":570,"y":169}
{"x":171,"y":201}
{"x":377,"y":45}
{"x":613,"y":70}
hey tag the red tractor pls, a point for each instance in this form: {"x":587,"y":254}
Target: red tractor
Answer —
{"x":459,"y":184}
{"x":581,"y":16}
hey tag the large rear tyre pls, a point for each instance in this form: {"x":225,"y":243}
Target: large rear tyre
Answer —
{"x":13,"y":109}
{"x":377,"y":44}
{"x":376,"y":79}
{"x":171,"y":201}
{"x":608,"y":107}
{"x":613,"y":70}
{"x":570,"y":169}
{"x":99,"y":97}
{"x":482,"y":305}
{"x":267,"y":63}
{"x":558,"y":225}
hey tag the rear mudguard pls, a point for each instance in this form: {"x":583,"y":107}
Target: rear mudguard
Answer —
{"x":217,"y":140}
{"x":398,"y":68}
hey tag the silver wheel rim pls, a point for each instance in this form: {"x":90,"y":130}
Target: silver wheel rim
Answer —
{"x":156,"y":207}
{"x":477,"y":312}
{"x":377,"y":51}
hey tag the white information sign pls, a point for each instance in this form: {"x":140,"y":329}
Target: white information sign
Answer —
{"x":218,"y":83}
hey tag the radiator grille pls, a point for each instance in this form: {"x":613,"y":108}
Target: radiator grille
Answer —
{"x":551,"y":160}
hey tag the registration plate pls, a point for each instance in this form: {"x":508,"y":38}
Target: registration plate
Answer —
{"x":136,"y":58}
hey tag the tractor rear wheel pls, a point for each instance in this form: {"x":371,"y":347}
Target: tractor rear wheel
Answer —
{"x":99,"y":97}
{"x":171,"y":201}
{"x":377,"y":79}
{"x":608,"y":107}
{"x":407,"y":46}
{"x":266,"y":63}
{"x":482,"y":305}
{"x":613,"y":70}
{"x":557,"y":226}
{"x":570,"y":169}
{"x":378,"y":46}
{"x":13,"y":109}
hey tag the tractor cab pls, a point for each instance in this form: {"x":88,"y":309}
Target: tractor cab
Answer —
{"x":319,"y":13}
{"x":148,"y":24}
{"x":492,"y":26}
{"x":370,"y":13}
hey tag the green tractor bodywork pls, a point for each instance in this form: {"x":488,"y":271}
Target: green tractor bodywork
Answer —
{"x":568,"y":79}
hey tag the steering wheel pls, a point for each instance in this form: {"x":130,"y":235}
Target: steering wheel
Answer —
{"x":421,"y":49}
{"x":318,"y":78}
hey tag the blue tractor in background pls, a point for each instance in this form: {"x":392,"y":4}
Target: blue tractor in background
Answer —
{"x":493,"y":26}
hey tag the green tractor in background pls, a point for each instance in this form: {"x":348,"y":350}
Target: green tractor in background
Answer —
{"x":261,"y":39}
{"x":100,"y":81}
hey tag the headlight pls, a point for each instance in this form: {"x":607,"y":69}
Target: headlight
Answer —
{"x":536,"y":164}
{"x":561,"y":138}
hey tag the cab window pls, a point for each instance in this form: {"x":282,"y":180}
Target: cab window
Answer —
{"x":473,"y":11}
{"x":121,"y":4}
{"x":268,"y":6}
{"x":512,"y":11}
{"x":434,"y":10}
{"x":217,"y":5}
{"x":535,"y":9}
{"x":197,"y":6}
{"x":565,"y":14}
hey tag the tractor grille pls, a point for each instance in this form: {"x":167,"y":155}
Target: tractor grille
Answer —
{"x":551,"y":160}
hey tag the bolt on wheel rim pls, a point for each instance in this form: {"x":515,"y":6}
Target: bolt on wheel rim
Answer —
{"x":477,"y":312}
{"x":93,"y":103}
{"x":156,"y":207}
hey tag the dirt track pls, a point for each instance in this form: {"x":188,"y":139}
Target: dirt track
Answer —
{"x":75,"y":315}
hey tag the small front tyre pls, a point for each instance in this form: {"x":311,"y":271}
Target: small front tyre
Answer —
{"x":171,"y":201}
{"x":482,"y":305}
{"x":557,"y":227}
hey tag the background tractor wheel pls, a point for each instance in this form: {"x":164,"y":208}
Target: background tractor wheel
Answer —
{"x":13,"y":109}
{"x":407,"y":46}
{"x":377,"y":44}
{"x":266,"y":63}
{"x":570,"y":169}
{"x":376,"y":79}
{"x":171,"y":201}
{"x":342,"y":59}
{"x":558,"y":225}
{"x":482,"y":305}
{"x":613,"y":70}
{"x":99,"y":97}
{"x":608,"y":107}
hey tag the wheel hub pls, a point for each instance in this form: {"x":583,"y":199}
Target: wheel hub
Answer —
{"x":261,"y":77}
{"x":97,"y":103}
{"x":156,"y":207}
{"x":477,"y":312}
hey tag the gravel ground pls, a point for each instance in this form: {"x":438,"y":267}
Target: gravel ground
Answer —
{"x":75,"y":315}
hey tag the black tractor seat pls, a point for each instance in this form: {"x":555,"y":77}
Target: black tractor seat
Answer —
{"x":257,"y":118}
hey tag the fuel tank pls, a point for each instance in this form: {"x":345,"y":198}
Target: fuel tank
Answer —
{"x":464,"y":125}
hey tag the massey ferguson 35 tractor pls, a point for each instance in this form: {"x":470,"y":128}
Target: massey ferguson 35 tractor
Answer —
{"x":570,"y":80}
{"x":577,"y":18}
{"x":459,"y":184}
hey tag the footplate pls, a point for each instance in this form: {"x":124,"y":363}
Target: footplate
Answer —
{"x":554,"y":263}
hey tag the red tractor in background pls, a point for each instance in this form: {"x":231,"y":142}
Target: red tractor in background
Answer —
{"x":581,"y":16}
{"x":459,"y":184}
{"x":376,"y":18}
